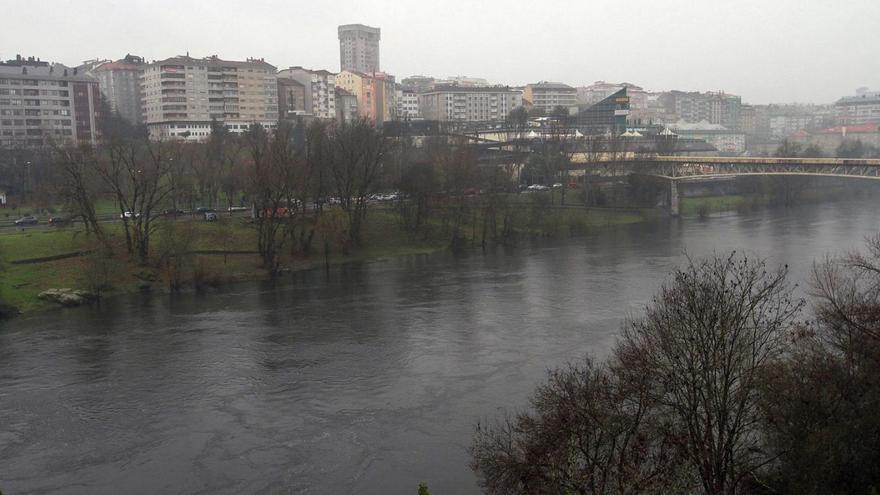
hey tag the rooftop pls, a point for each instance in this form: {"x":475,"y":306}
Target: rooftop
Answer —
{"x":551,"y":85}
{"x":854,"y":129}
{"x":454,"y":88}
{"x":55,"y":71}
{"x":215,"y":60}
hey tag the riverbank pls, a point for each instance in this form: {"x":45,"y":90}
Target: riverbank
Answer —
{"x":705,"y":205}
{"x":223,"y":252}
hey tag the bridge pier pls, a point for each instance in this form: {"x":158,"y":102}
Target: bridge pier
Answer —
{"x":672,"y":200}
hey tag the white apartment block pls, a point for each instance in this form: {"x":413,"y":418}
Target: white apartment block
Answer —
{"x":549,"y":95}
{"x":863,"y":108}
{"x":468,"y":104}
{"x":408,"y":104}
{"x":182,"y":95}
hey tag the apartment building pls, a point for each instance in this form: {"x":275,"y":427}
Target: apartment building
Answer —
{"x":120,"y":85}
{"x":42,"y":104}
{"x":346,"y":106}
{"x":549,"y":95}
{"x":407,"y":104}
{"x":862,"y":108}
{"x":376,"y":94}
{"x":319,"y":87}
{"x":712,"y":107}
{"x":468,"y":104}
{"x":183,"y":95}
{"x":291,"y":98}
{"x":359,"y":48}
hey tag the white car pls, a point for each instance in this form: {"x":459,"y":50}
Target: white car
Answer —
{"x":538,"y":187}
{"x":129,"y":214}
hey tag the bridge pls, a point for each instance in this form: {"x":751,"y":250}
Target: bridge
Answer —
{"x":681,"y":168}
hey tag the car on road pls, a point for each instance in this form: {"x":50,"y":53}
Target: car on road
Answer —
{"x":238,"y":208}
{"x":557,"y":185}
{"x":537,"y":187}
{"x":56,"y":221}
{"x":211,"y":216}
{"x":201,"y":210}
{"x":27,"y":220}
{"x":128,"y":214}
{"x":173,"y":212}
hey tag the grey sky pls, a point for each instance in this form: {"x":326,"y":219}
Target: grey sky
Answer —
{"x":765,"y":50}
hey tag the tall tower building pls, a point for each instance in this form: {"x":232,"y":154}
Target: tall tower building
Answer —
{"x":359,"y":48}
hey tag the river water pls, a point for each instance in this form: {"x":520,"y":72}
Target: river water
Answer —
{"x":367,"y":380}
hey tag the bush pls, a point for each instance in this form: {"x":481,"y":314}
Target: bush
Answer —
{"x":674,"y":410}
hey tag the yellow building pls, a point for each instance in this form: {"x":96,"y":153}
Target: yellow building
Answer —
{"x":375,"y":92}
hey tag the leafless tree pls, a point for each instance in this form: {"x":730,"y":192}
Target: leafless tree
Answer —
{"x":78,"y":168}
{"x":591,"y":430}
{"x":137,"y":172}
{"x":704,"y":340}
{"x":268,"y":184}
{"x":358,"y":152}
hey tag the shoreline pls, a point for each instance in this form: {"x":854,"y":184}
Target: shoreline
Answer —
{"x":54,"y":265}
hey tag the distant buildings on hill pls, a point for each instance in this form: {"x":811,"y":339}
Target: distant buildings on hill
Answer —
{"x":182,"y":97}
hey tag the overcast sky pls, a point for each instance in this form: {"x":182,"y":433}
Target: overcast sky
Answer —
{"x":764,"y":50}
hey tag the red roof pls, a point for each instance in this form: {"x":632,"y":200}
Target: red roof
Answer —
{"x":857,"y":129}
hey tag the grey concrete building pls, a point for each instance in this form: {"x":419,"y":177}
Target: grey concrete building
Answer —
{"x":346,"y":105}
{"x":468,"y":104}
{"x":862,"y":108}
{"x":359,"y":48}
{"x":42,"y":104}
{"x":319,"y":90}
{"x":120,"y":85}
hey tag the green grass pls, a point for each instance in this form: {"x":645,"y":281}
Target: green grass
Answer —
{"x":383,"y":238}
{"x":711,"y":204}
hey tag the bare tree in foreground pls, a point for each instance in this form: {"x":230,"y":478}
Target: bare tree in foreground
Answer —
{"x":676,"y":410}
{"x":592,"y":430}
{"x":704,"y":341}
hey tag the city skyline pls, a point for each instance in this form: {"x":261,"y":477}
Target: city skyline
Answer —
{"x":792,"y":53}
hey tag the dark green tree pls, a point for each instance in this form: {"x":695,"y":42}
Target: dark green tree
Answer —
{"x":812,"y":151}
{"x":788,"y":149}
{"x":518,"y":118}
{"x":849,"y":148}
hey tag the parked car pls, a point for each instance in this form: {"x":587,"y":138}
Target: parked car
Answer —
{"x":129,"y":214}
{"x":201,"y":210}
{"x":238,"y":208}
{"x":173,"y":212}
{"x":27,"y":220}
{"x":557,"y":185}
{"x":59,"y":221}
{"x":538,"y":187}
{"x":211,"y":216}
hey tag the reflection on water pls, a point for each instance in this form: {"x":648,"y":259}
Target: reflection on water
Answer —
{"x":365,"y":380}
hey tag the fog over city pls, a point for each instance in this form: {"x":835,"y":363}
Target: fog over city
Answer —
{"x":448,"y":247}
{"x":775,"y":51}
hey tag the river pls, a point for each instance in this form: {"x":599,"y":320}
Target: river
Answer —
{"x":367,"y":380}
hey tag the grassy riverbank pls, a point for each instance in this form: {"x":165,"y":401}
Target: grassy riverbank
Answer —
{"x":224,"y":252}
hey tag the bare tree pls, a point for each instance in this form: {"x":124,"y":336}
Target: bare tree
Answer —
{"x":358,"y":152}
{"x":704,"y":340}
{"x":136,"y":170}
{"x":592,"y":430}
{"x":78,"y":166}
{"x":269,"y":190}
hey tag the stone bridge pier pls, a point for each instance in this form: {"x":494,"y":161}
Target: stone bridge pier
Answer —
{"x":672,"y":198}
